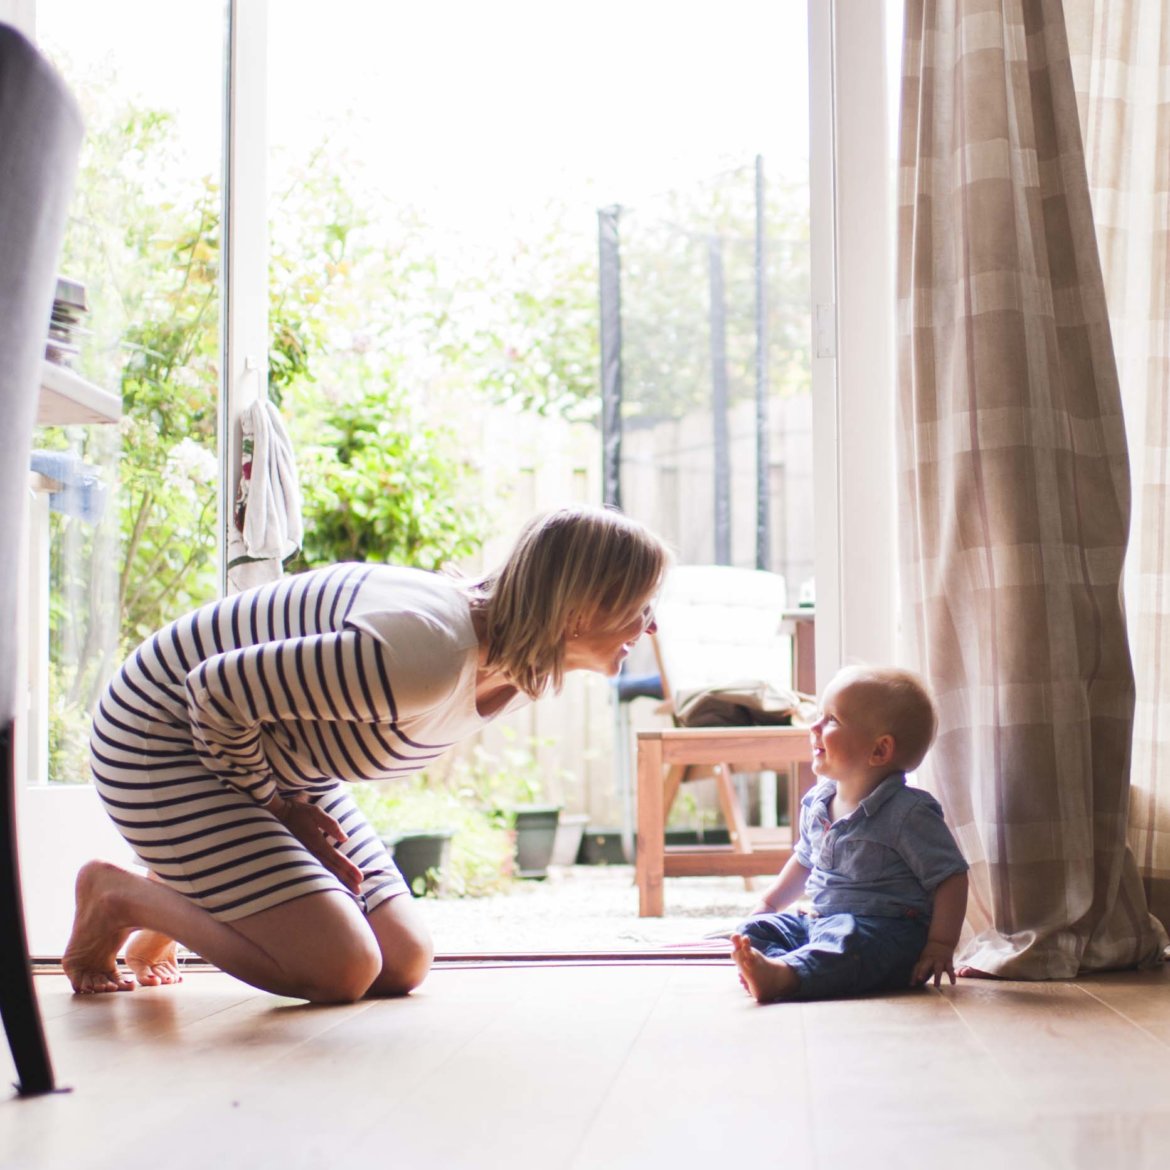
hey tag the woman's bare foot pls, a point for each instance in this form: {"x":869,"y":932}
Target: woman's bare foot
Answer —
{"x":91,"y":956}
{"x":153,"y":958}
{"x":767,"y":980}
{"x":974,"y":973}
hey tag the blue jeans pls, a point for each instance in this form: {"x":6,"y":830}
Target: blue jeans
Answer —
{"x":841,"y":954}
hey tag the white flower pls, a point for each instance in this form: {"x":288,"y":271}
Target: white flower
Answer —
{"x":189,"y":463}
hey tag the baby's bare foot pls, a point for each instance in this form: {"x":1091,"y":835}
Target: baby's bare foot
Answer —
{"x":154,"y":958}
{"x":766,"y":980}
{"x":91,"y":956}
{"x":974,"y":973}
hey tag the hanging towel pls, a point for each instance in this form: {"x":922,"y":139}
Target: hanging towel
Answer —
{"x":267,"y":527}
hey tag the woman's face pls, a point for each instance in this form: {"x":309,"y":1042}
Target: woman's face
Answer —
{"x":602,"y":646}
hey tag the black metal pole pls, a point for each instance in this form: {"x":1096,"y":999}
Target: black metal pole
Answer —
{"x":763,"y":477}
{"x":610,"y":296}
{"x":717,"y":313}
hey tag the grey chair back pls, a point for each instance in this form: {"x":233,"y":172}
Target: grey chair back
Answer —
{"x":40,"y":138}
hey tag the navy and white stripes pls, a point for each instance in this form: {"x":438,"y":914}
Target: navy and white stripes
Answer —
{"x":351,"y":673}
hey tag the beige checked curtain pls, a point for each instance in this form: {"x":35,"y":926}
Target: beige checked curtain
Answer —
{"x":1120,"y":51}
{"x":1014,"y":489}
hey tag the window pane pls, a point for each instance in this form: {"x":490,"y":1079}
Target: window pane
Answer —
{"x":135,"y":543}
{"x":434,"y":205}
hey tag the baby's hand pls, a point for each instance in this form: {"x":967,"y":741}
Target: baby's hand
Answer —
{"x":936,"y":958}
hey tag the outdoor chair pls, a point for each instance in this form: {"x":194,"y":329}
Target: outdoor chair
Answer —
{"x":40,"y":137}
{"x":718,"y":627}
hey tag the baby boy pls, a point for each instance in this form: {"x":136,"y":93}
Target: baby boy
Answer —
{"x":885,"y":882}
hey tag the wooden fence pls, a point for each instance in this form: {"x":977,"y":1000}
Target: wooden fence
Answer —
{"x":532,"y":463}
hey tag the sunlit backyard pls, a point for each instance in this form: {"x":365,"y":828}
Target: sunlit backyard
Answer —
{"x":434,"y":301}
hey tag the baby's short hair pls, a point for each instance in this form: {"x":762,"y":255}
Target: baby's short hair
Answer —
{"x":901,"y":705}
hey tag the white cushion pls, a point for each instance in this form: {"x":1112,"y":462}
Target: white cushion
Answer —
{"x":719,"y":625}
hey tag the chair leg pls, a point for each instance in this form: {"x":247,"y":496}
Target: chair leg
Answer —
{"x":671,"y":783}
{"x":18,"y":1002}
{"x":733,"y":813}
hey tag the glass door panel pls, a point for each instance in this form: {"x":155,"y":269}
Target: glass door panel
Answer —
{"x":436,"y":197}
{"x":123,"y":535}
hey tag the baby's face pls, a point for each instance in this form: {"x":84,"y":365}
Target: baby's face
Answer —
{"x":842,"y":737}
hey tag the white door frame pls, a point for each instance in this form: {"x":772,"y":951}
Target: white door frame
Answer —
{"x":852,"y":357}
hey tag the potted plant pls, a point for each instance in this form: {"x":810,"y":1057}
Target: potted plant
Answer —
{"x":570,"y":834}
{"x":512,"y":785}
{"x":440,"y":836}
{"x":535,"y":826}
{"x":486,"y":810}
{"x":423,"y":858}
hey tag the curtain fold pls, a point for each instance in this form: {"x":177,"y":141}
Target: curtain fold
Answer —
{"x":1120,"y":52}
{"x":1014,"y":490}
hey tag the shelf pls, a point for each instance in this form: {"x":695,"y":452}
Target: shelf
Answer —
{"x":67,"y":399}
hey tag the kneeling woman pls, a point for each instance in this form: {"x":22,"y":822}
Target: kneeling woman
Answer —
{"x":222,"y":747}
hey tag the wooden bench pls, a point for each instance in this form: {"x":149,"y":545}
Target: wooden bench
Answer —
{"x":748,"y":749}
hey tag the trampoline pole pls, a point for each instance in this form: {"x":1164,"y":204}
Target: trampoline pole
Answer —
{"x":763,"y":492}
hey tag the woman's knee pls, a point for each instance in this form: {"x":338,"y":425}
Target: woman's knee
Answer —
{"x":345,"y":974}
{"x":405,"y":969}
{"x":322,"y":946}
{"x":407,"y":950}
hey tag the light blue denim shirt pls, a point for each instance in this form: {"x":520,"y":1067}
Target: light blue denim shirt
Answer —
{"x":885,"y":858}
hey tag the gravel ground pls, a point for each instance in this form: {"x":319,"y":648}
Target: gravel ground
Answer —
{"x":588,"y":907}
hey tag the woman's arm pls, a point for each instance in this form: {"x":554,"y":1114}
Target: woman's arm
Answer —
{"x":314,"y":828}
{"x":342,"y":677}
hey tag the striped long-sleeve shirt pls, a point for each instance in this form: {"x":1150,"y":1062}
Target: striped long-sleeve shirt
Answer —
{"x":355,"y":672}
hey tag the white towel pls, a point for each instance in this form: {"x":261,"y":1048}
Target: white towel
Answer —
{"x":267,"y":527}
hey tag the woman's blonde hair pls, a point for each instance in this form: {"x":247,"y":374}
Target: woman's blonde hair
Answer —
{"x":568,"y":567}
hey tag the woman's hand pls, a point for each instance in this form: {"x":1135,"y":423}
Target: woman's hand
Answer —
{"x":312,"y":827}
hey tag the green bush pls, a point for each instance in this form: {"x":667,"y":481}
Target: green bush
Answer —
{"x":473,"y":797}
{"x":381,"y":484}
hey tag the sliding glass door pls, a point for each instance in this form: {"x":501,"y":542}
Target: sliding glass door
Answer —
{"x":124,"y":517}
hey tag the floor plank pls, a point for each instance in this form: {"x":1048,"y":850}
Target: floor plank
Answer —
{"x":711,"y":1073}
{"x":1141,"y":997}
{"x":137,"y":1064}
{"x":1091,"y":1079}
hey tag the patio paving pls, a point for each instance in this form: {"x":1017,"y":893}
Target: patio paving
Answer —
{"x":587,"y":907}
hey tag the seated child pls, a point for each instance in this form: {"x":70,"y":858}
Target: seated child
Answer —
{"x":885,"y":879}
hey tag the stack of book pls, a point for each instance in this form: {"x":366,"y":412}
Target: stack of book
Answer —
{"x":65,"y":325}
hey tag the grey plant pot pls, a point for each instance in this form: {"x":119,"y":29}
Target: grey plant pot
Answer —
{"x":536,"y":831}
{"x":421,"y":858}
{"x":570,"y":832}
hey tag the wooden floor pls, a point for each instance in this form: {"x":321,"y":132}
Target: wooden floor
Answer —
{"x":602,"y":1066}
